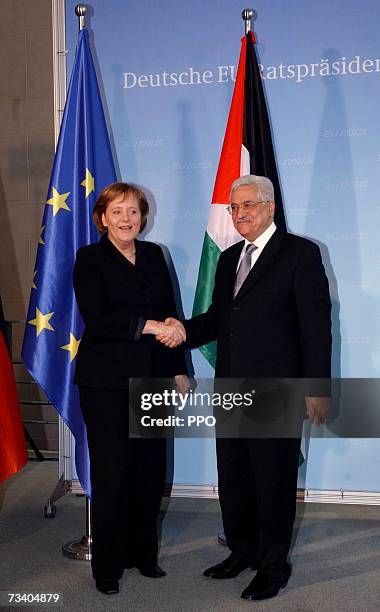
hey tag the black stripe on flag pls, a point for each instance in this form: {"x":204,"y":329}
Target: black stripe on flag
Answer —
{"x":257,"y":134}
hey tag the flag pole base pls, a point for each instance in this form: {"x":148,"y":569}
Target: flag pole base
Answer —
{"x":80,"y":550}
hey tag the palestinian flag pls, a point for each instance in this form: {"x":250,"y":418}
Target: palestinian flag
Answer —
{"x":13,"y":455}
{"x":247,"y":149}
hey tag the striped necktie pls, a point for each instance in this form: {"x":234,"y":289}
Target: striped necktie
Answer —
{"x":244,"y":268}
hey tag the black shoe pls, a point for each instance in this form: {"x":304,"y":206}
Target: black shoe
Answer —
{"x":262,"y":587}
{"x":108,"y":586}
{"x":151,"y":571}
{"x":229,"y":568}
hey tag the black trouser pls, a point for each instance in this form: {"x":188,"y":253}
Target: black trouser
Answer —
{"x":257,"y":491}
{"x":127,"y":479}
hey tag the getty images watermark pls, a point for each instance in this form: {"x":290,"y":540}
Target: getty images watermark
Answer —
{"x":159,"y":409}
{"x":254,"y":407}
{"x":173,"y":399}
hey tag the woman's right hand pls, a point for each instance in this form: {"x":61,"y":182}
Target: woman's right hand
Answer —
{"x":171,"y":333}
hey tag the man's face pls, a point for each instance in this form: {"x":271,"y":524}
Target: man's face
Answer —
{"x":251,"y":221}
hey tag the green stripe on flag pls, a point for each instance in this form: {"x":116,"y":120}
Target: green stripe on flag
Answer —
{"x":205,"y":286}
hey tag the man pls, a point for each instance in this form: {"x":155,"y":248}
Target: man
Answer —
{"x":270,"y":315}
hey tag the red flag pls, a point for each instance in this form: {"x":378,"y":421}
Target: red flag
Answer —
{"x":13,"y":454}
{"x":230,"y":158}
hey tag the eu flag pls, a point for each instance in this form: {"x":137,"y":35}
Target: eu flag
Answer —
{"x":83,"y":166}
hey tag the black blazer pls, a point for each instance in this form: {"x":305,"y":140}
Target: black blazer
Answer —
{"x":115,"y":298}
{"x":279,"y":323}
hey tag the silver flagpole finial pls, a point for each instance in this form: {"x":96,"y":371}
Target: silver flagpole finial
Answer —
{"x":80,"y":11}
{"x":247,"y":15}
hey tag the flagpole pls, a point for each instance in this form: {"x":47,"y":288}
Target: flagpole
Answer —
{"x":80,"y":11}
{"x":81,"y":549}
{"x":247,"y":15}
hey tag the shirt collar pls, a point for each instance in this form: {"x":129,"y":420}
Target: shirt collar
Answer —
{"x":261,"y":240}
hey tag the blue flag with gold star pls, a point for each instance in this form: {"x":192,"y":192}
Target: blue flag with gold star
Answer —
{"x":83,"y":166}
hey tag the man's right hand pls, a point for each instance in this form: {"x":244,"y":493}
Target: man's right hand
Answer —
{"x":172,"y":333}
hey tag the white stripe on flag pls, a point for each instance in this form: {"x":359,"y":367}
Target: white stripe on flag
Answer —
{"x":220,"y":227}
{"x":245,"y":162}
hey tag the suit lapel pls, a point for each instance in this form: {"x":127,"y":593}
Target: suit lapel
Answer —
{"x":264,"y":262}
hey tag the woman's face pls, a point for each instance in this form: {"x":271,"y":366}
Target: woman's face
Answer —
{"x":122,"y":219}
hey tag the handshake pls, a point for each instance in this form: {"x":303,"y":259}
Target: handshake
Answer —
{"x":171,"y":332}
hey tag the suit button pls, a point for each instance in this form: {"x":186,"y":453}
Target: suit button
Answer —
{"x":235,"y":308}
{"x":232,"y":334}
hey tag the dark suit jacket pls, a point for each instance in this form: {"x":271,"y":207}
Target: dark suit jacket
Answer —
{"x":279,"y":323}
{"x":115,"y":298}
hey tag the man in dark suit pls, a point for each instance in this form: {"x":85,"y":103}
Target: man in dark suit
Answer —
{"x":270,"y":315}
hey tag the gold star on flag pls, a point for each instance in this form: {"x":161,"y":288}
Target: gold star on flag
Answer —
{"x":88,"y":183}
{"x":72,"y":347}
{"x":40,"y":240}
{"x":33,"y":284}
{"x":41,"y":321}
{"x":58,"y":201}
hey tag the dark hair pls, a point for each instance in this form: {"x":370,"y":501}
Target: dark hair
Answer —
{"x":111,"y":192}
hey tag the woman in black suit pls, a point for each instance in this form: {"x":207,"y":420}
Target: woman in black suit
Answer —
{"x":123,"y":290}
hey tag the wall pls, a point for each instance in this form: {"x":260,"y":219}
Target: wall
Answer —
{"x":26,"y":153}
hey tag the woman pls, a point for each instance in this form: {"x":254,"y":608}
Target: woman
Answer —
{"x":123,"y":290}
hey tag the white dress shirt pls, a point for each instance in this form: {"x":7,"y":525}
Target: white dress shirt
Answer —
{"x":260,"y":243}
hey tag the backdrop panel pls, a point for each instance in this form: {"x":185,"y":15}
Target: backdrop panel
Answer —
{"x":167,"y":70}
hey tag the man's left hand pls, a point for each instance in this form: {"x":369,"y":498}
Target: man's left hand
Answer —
{"x":317,"y":409}
{"x":182,"y":383}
